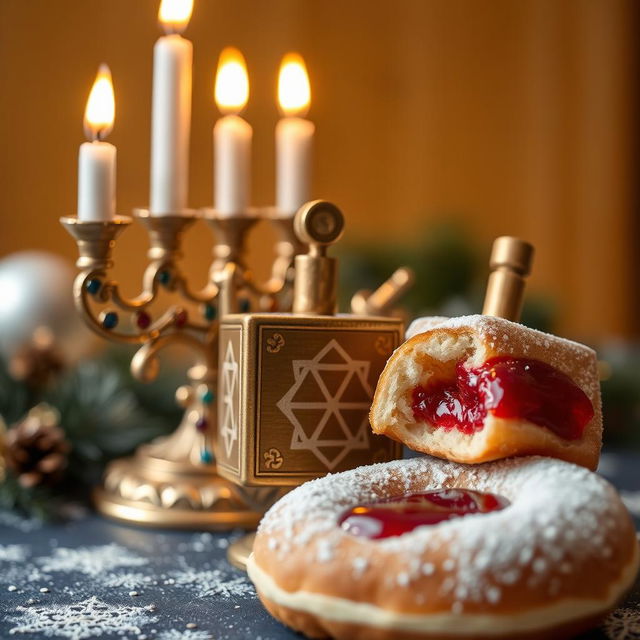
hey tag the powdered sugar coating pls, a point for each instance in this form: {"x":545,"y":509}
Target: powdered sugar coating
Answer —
{"x":505,"y":336}
{"x":562,"y":520}
{"x":420,"y":325}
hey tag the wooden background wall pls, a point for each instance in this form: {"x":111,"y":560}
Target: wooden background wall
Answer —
{"x":518,"y":117}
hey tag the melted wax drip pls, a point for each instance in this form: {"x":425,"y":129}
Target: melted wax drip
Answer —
{"x":395,"y":516}
{"x":515,"y":388}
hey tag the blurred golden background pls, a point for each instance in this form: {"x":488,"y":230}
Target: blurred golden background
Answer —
{"x":511,"y":117}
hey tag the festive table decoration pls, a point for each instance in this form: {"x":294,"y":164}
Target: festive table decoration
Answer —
{"x":36,"y":449}
{"x":101,"y":414}
{"x":37,"y":309}
{"x":37,"y":362}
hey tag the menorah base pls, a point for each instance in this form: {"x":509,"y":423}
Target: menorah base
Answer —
{"x":147,"y":491}
{"x":240,"y":550}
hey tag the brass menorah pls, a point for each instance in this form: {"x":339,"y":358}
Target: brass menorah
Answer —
{"x":173,"y":481}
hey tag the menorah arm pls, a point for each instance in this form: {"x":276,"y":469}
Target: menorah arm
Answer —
{"x":176,"y":282}
{"x":145,"y":365}
{"x":95,"y":242}
{"x":82,"y":295}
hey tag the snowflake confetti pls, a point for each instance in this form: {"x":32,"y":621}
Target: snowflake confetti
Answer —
{"x":90,"y":618}
{"x":214,"y":583}
{"x":126,"y":580}
{"x":187,"y":634}
{"x":91,"y":561}
{"x":13,"y":552}
{"x":21,"y":573}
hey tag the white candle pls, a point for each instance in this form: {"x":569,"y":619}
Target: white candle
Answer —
{"x":232,"y":165}
{"x":171,"y":111}
{"x":97,"y":159}
{"x":294,"y":137}
{"x":232,"y":137}
{"x":96,"y":181}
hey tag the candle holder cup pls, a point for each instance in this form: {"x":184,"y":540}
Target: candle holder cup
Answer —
{"x":173,"y":481}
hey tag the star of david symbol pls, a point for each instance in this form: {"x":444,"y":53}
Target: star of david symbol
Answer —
{"x":229,"y":429}
{"x":328,"y":404}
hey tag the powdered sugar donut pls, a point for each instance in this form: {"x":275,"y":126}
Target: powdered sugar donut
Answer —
{"x":478,"y":388}
{"x":555,"y":551}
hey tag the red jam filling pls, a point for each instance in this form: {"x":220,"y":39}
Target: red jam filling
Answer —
{"x":395,"y":516}
{"x":515,"y":388}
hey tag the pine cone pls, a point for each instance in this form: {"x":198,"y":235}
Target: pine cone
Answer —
{"x":35,"y":448}
{"x":37,"y":362}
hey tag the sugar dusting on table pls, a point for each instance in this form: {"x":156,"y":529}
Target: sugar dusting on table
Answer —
{"x":91,"y":618}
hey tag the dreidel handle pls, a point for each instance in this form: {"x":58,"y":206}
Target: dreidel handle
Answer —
{"x":385,"y":297}
{"x":510,"y":264}
{"x":318,"y":224}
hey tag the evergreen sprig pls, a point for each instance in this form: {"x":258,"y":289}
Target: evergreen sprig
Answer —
{"x":104,"y":414}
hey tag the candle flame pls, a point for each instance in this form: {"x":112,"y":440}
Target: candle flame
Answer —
{"x":174,"y":15}
{"x":294,"y":91}
{"x":232,"y":81}
{"x":101,"y":106}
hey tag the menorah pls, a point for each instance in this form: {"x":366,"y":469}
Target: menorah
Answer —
{"x":173,"y":480}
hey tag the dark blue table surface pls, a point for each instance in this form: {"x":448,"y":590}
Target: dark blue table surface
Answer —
{"x":93,"y":578}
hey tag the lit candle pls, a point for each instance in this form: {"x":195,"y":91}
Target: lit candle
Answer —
{"x":97,"y":159}
{"x":294,"y":136}
{"x":231,"y":136}
{"x":171,"y":112}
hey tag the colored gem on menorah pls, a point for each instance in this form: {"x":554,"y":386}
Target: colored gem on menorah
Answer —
{"x":93,"y":286}
{"x":143,"y":320}
{"x":244,"y":304}
{"x":201,"y":424}
{"x":210,"y":312}
{"x":207,"y":397}
{"x":109,"y":320}
{"x":164,"y":277}
{"x":206,"y":457}
{"x":181,"y":318}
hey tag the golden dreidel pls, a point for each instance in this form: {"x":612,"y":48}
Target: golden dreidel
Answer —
{"x":295,"y":388}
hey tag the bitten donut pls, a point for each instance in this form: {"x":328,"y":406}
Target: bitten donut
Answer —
{"x":384,"y":552}
{"x":479,"y":388}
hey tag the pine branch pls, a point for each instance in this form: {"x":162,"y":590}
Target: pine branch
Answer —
{"x":38,"y":502}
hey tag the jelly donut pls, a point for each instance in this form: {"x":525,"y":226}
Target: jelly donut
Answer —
{"x":480,"y":388}
{"x":426,"y":548}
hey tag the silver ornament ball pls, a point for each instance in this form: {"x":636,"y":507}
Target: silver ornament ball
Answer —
{"x":36,"y":290}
